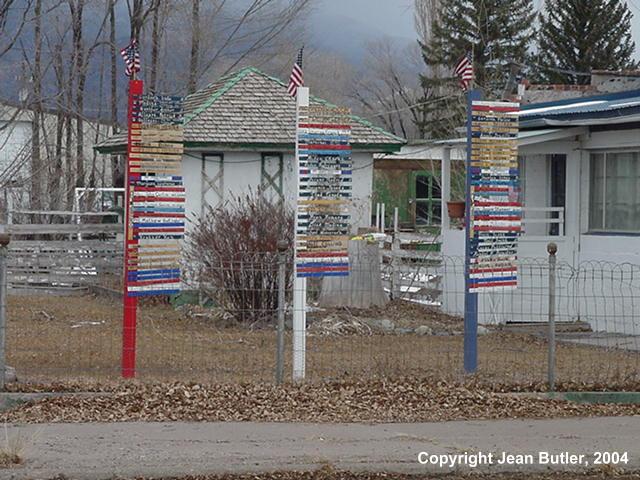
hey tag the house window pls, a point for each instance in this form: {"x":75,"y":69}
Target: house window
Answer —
{"x":428,"y":198}
{"x":615,"y":192}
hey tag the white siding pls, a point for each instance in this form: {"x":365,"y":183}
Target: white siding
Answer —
{"x":242,"y":170}
{"x":14,"y":139}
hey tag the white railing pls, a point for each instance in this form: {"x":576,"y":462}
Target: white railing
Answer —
{"x":546,"y":219}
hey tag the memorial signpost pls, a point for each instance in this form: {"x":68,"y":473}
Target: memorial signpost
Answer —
{"x":494,"y":211}
{"x":155,"y":213}
{"x":324,"y":190}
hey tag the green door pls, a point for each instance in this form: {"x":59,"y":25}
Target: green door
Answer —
{"x":426,"y":198}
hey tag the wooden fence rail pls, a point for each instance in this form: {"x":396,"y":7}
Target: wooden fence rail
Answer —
{"x":63,"y":228}
{"x":62,"y":266}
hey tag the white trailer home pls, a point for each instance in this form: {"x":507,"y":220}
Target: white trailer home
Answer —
{"x":240,"y":133}
{"x":17,"y":175}
{"x":580,"y":188}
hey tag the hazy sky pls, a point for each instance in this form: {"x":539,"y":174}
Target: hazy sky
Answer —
{"x":389,"y":17}
{"x":395,"y":17}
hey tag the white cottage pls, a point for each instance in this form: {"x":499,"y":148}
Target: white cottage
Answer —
{"x":240,"y":132}
{"x":580,"y":182}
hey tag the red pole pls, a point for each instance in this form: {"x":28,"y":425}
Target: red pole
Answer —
{"x":130,"y":303}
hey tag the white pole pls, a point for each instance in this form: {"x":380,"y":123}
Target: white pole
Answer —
{"x":299,"y":284}
{"x":395,"y":220}
{"x":445,"y":189}
{"x":382,"y":218}
{"x":378,"y":217}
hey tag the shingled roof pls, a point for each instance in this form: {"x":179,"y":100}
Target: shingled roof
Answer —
{"x":250,"y":109}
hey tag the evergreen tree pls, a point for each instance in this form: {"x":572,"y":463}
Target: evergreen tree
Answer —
{"x":497,"y":32}
{"x":581,"y":36}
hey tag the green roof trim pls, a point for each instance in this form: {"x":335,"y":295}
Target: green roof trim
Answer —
{"x":374,"y":147}
{"x":233,"y":79}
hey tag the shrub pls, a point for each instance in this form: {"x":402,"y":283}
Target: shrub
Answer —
{"x":232,"y":255}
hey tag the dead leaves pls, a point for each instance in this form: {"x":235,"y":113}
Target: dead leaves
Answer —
{"x":367,"y":401}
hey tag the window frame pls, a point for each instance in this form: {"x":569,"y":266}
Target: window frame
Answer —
{"x":605,"y":154}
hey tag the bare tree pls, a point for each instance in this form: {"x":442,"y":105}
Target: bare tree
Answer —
{"x":36,"y":107}
{"x":113,"y":59}
{"x":387,"y":89}
{"x":195,"y":46}
{"x":238,"y":32}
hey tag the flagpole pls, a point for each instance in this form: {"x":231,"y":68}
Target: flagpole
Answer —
{"x":299,"y":284}
{"x":130,"y":304}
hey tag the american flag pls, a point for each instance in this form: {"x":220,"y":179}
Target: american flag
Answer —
{"x":297,"y":78}
{"x":464,"y":71}
{"x":131,"y":57}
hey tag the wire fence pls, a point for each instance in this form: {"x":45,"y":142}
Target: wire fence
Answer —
{"x":398,"y":314}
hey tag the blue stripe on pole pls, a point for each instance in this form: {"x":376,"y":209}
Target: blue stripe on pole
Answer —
{"x":145,"y":293}
{"x":158,"y":225}
{"x":322,"y":274}
{"x":493,"y":279}
{"x":153,"y":278}
{"x":321,"y":264}
{"x":325,"y":138}
{"x":144,"y":275}
{"x":340,"y":153}
{"x":152,"y":209}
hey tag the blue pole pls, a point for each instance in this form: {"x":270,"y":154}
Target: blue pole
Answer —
{"x":470,"y":299}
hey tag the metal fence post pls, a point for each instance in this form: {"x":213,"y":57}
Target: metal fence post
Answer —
{"x":282,"y":285}
{"x":4,"y":241}
{"x":552,"y":249}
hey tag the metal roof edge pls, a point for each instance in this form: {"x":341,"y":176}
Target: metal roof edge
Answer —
{"x":590,"y":98}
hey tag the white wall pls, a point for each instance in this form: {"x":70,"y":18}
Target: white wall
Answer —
{"x":13,"y":139}
{"x":242,"y":169}
{"x":598,"y":278}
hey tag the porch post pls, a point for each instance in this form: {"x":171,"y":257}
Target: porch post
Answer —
{"x":572,"y":214}
{"x":445,"y":188}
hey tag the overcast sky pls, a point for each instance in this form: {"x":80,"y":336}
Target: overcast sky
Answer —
{"x":395,"y":17}
{"x":389,"y":17}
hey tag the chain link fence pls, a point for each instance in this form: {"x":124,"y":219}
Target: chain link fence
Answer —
{"x":399,"y":314}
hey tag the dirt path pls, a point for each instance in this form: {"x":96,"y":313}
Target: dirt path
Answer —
{"x":100,"y":451}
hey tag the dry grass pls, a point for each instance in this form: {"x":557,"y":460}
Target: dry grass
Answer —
{"x":61,"y":338}
{"x":11,"y":449}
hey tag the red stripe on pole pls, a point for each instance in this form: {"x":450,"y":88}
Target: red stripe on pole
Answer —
{"x":322,"y":254}
{"x":159,"y":215}
{"x":493,"y":270}
{"x":322,"y":269}
{"x":501,"y":229}
{"x":143,"y":283}
{"x":130,"y":304}
{"x":313,"y":146}
{"x":159,"y":189}
{"x":158,"y":199}
{"x":496,"y":217}
{"x":497,"y":204}
{"x":158,"y":230}
{"x":486,"y":108}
